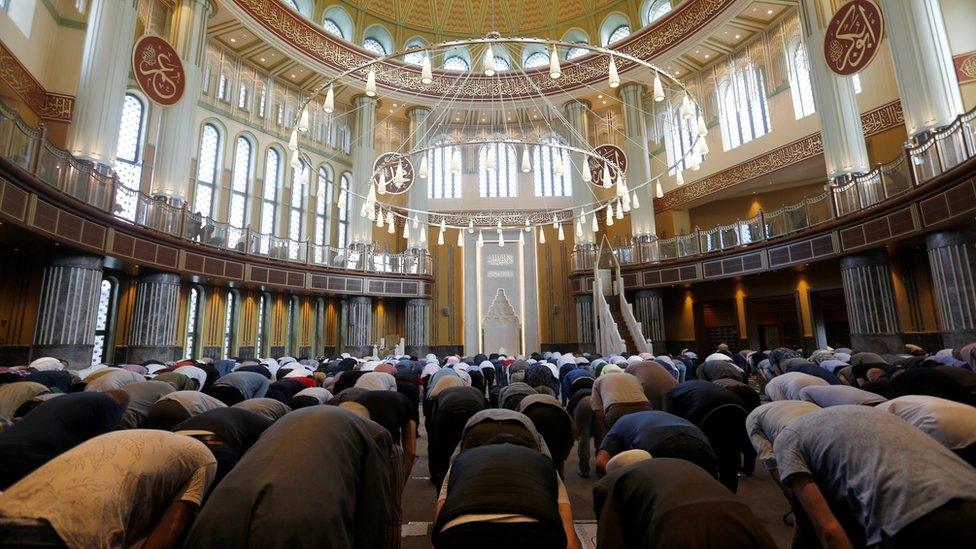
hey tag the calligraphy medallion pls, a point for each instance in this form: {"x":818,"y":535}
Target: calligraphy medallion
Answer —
{"x":158,"y":70}
{"x":614,"y":158}
{"x":853,"y":37}
{"x":396,"y":169}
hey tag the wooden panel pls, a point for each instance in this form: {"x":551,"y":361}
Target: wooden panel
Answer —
{"x":962,"y":198}
{"x":45,"y":217}
{"x":800,"y":252}
{"x":852,"y":237}
{"x":741,"y":264}
{"x":14,"y":201}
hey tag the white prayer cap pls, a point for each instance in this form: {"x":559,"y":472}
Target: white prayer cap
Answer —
{"x":46,"y":364}
{"x":718,"y":356}
{"x":626,"y":458}
{"x":299,"y":372}
{"x":369,"y":366}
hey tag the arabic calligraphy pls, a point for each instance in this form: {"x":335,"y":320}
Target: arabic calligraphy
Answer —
{"x":158,"y":70}
{"x":396,"y":170}
{"x":853,"y":37}
{"x":615,"y":158}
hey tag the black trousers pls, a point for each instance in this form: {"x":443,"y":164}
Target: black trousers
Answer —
{"x":950,"y":526}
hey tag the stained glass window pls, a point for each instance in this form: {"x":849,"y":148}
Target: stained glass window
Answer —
{"x":127,"y":152}
{"x":442,"y":183}
{"x":545,"y":158}
{"x":241,"y":183}
{"x":498,"y":171}
{"x":207,"y":164}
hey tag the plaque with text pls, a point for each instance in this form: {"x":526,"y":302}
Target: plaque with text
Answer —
{"x":390,"y":163}
{"x":158,"y":70}
{"x":613,"y":156}
{"x":853,"y":37}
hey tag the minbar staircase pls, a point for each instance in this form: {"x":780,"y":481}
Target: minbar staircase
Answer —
{"x":618,"y":318}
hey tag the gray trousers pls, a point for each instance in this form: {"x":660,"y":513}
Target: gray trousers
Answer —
{"x":583,"y":418}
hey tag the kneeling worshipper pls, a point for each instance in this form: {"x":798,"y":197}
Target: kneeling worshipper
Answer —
{"x":787,"y":386}
{"x":512,"y":394}
{"x":503,"y":495}
{"x":931,"y":382}
{"x":655,"y":379}
{"x":14,"y":395}
{"x":311,"y":396}
{"x":284,"y":390}
{"x":665,"y":503}
{"x":838,"y":395}
{"x":377,"y":381}
{"x":713,"y":370}
{"x":127,"y":488}
{"x":766,"y":422}
{"x":721,"y":416}
{"x":111,"y":378}
{"x":804,"y":367}
{"x":54,"y":427}
{"x":952,"y":424}
{"x":55,"y":380}
{"x":616,"y":394}
{"x":237,"y":386}
{"x":863,"y":476}
{"x":582,"y":412}
{"x":227,"y":432}
{"x":394,"y":412}
{"x":660,"y":434}
{"x":142,"y":396}
{"x":179,"y":406}
{"x":553,"y":423}
{"x":267,"y":407}
{"x":451,"y":412}
{"x":344,"y":501}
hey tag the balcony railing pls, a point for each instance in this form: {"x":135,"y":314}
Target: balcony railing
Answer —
{"x":928,"y":156}
{"x":31,"y":150}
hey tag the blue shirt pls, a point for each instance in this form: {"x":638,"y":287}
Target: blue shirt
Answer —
{"x":646,"y":430}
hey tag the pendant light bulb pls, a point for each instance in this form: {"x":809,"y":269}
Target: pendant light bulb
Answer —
{"x":554,"y":70}
{"x":626,"y":203}
{"x":702,"y":126}
{"x":501,"y":240}
{"x":489,"y":61}
{"x":596,"y":224}
{"x":406,"y":229}
{"x":695,"y":162}
{"x":658,"y":190}
{"x":526,"y":163}
{"x":527,"y":227}
{"x":579,"y":229}
{"x":471,"y":226}
{"x":389,"y":221}
{"x":443,"y":225}
{"x":423,"y":171}
{"x":686,"y":110}
{"x":561,"y":235}
{"x":634,"y":201}
{"x":440,"y":238}
{"x":481,"y":239}
{"x":379,"y":219}
{"x":679,"y":177}
{"x":521,"y":240}
{"x":542,"y":235}
{"x":381,"y":185}
{"x":555,"y":221}
{"x":416,"y":222}
{"x":613,"y":77}
{"x":658,"y":88}
{"x":293,"y":140}
{"x":609,"y":215}
{"x":426,"y":77}
{"x":702,"y":146}
{"x":607,"y":182}
{"x":620,"y":209}
{"x":303,"y":121}
{"x":460,"y":240}
{"x":296,"y":164}
{"x":371,"y":83}
{"x":587,"y":177}
{"x":423,"y":234}
{"x":329,"y":106}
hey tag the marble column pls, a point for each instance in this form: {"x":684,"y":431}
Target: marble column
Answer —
{"x":926,"y":76}
{"x":153,"y":331}
{"x":870,"y":298}
{"x":178,"y":131}
{"x":417,"y":195}
{"x":585,"y":320}
{"x":577,"y":136}
{"x":845,"y":152}
{"x":638,"y":158}
{"x":67,"y":310}
{"x":363,"y":156}
{"x":418,"y":327}
{"x":952,"y":260}
{"x":94,"y":131}
{"x":357,"y":326}
{"x":649,"y":311}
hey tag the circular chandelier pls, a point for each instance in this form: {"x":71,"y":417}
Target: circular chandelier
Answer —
{"x":508,"y":122}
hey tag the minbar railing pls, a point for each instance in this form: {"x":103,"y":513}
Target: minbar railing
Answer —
{"x":101,"y":188}
{"x":928,"y":155}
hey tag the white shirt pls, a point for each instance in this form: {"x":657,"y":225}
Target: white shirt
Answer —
{"x":951,"y":423}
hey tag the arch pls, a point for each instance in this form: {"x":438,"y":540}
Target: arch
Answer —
{"x":498,"y":170}
{"x":322,"y":231}
{"x":614,"y":28}
{"x":242,"y":180}
{"x":534,"y":56}
{"x":451,"y":57}
{"x":417,"y":57}
{"x":378,"y":35}
{"x":576,"y":35}
{"x":652,"y":10}
{"x":442,"y":180}
{"x":273,"y":170}
{"x":129,"y":149}
{"x":193,"y":329}
{"x":548,"y":181}
{"x":342,"y":231}
{"x":303,"y":7}
{"x":104,"y":349}
{"x":801,"y":84}
{"x":336,"y":21}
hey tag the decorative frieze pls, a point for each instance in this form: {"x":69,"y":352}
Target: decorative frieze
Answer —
{"x":46,"y":105}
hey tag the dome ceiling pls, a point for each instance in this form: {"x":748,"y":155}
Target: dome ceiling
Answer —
{"x":470,"y":18}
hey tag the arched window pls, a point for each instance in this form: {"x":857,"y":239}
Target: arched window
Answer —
{"x":801,"y":87}
{"x":207,"y":165}
{"x":456,"y":63}
{"x":240,"y":187}
{"x":127,"y":154}
{"x":191,"y":339}
{"x":242,"y":96}
{"x":269,"y":198}
{"x":536,"y":59}
{"x":293,"y":5}
{"x":742,"y":104}
{"x":576,"y":51}
{"x":332,"y":27}
{"x":498,"y":171}
{"x":230,"y":324}
{"x":656,"y":10}
{"x":374,"y":45}
{"x":322,"y":218}
{"x":545,"y":158}
{"x":502,"y":64}
{"x":681,"y":146}
{"x":619,"y":33}
{"x":299,"y":189}
{"x":263,"y":304}
{"x":343,"y":206}
{"x":104,"y":322}
{"x":415,"y":57}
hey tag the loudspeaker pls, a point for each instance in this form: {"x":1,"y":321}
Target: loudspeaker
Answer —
{"x":446,"y":311}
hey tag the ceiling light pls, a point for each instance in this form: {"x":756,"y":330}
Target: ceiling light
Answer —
{"x":770,"y":12}
{"x":738,"y":36}
{"x":233,"y":40}
{"x":293,"y":76}
{"x":600,"y":96}
{"x":262,"y":60}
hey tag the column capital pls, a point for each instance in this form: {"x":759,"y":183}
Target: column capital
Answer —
{"x":876,"y":256}
{"x":418,"y":112}
{"x":631,"y":87}
{"x":576,"y":105}
{"x":363,"y":100}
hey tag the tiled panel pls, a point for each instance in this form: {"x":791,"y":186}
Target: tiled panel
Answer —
{"x":13,"y":201}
